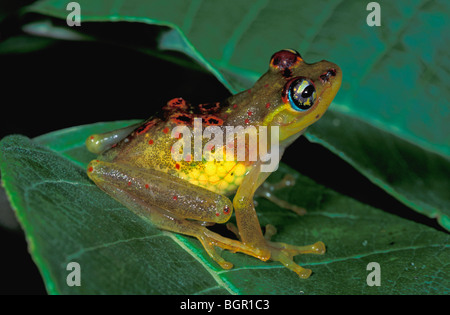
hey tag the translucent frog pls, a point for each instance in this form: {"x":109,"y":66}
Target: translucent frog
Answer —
{"x":135,"y":164}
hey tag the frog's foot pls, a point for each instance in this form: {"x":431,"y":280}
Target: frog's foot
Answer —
{"x":211,"y":240}
{"x":267,"y":190}
{"x":284,"y":253}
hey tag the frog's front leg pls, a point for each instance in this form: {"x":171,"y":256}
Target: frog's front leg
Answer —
{"x":170,"y":203}
{"x":250,"y":232}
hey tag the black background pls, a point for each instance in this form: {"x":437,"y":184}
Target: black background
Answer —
{"x":75,"y":83}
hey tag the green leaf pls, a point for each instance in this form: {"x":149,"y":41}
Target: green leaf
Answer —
{"x":395,"y":76}
{"x":67,"y":218}
{"x":24,"y":44}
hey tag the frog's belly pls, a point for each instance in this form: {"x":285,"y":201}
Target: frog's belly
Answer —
{"x":222,"y":177}
{"x":218,"y":176}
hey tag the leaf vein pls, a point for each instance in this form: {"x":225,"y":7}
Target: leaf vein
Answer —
{"x":390,"y":45}
{"x":215,"y":275}
{"x":326,"y":262}
{"x":241,"y":28}
{"x":326,"y":15}
{"x":106,"y":245}
{"x":190,"y":15}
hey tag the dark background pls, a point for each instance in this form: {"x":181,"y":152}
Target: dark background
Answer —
{"x":75,"y":83}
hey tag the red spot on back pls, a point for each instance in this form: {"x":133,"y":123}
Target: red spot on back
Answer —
{"x":217,"y":214}
{"x":129,"y":183}
{"x":90,"y":169}
{"x":145,"y":127}
{"x":147,"y":186}
{"x":175,"y":197}
{"x":234,"y":105}
{"x":211,"y":120}
{"x":250,"y":113}
{"x":267,"y":105}
{"x":209,"y":107}
{"x":181,"y":119}
{"x":247,"y":121}
{"x":179,"y":103}
{"x":177,"y":166}
{"x":150,"y":141}
{"x":166,"y":130}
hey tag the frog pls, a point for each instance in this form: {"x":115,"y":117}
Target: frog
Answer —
{"x":135,"y":164}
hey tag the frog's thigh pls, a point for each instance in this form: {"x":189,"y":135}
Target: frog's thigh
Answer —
{"x":140,"y":191}
{"x":165,"y":191}
{"x":97,"y":143}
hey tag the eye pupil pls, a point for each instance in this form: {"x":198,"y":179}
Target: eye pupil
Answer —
{"x":308,"y":91}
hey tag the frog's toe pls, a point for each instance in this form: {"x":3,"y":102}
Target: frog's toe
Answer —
{"x":284,"y":254}
{"x":317,"y":248}
{"x":208,"y":244}
{"x":286,"y":259}
{"x":270,"y":231}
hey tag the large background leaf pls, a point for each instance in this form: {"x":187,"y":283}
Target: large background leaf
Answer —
{"x":67,"y":218}
{"x":395,"y":76}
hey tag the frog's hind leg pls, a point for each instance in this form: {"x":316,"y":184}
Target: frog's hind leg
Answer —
{"x":98,"y":143}
{"x":169,"y":202}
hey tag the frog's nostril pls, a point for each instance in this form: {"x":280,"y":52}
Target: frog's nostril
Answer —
{"x":328,"y":74}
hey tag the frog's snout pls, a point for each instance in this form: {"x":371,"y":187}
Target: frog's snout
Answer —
{"x":331,"y":77}
{"x":332,"y":73}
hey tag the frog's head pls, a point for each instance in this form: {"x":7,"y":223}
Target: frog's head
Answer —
{"x":300,"y":92}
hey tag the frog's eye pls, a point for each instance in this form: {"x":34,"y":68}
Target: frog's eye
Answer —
{"x":300,"y":93}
